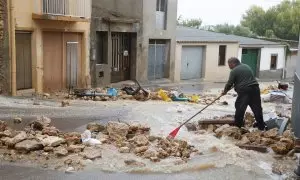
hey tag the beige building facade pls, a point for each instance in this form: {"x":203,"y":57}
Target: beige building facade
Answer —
{"x":203,"y":55}
{"x":49,"y":44}
{"x":210,"y":68}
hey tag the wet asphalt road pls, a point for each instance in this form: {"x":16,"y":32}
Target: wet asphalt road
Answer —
{"x":12,"y":172}
{"x":75,"y":119}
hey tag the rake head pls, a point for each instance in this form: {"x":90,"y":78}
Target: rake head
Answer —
{"x":173,"y":133}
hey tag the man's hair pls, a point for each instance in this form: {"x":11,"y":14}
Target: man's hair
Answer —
{"x":234,"y":60}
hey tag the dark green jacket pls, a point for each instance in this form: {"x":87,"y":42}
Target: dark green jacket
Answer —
{"x":240,"y":77}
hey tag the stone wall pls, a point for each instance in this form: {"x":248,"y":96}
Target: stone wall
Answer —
{"x":4,"y":43}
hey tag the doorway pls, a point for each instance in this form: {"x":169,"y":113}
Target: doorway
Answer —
{"x":24,"y":61}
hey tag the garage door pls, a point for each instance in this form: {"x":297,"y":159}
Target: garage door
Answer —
{"x":191,"y":63}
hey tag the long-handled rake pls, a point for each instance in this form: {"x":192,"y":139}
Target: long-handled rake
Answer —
{"x":175,"y":131}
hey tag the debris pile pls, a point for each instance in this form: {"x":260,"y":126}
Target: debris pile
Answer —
{"x":56,"y":148}
{"x":104,"y":94}
{"x":135,"y":139}
{"x":279,"y":144}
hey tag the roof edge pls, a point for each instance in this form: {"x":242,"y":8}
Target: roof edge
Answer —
{"x":184,"y":41}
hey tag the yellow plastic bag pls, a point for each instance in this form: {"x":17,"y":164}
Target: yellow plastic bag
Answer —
{"x":164,"y":96}
{"x":195,"y":98}
{"x":265,"y":91}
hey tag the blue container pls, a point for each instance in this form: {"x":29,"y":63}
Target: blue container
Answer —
{"x":112,"y":92}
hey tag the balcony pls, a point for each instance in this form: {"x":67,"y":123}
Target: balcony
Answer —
{"x":62,"y":10}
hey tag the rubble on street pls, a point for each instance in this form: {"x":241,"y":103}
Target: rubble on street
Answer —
{"x":54,"y":146}
{"x":249,"y":138}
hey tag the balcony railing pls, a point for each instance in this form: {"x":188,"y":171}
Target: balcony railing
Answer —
{"x":74,"y":8}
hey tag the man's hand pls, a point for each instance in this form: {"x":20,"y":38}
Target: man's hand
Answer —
{"x":223,"y":93}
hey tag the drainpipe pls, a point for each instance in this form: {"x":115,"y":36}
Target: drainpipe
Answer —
{"x":13,"y":48}
{"x":285,"y":59}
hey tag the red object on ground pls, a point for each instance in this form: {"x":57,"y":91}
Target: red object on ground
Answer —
{"x":175,"y":131}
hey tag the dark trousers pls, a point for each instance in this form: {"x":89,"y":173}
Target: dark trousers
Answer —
{"x":249,"y":96}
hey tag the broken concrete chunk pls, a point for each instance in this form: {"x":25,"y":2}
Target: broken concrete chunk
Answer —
{"x":18,"y":138}
{"x":253,"y":136}
{"x":91,"y":153}
{"x":51,"y":131}
{"x":272,"y":133}
{"x":94,"y":127}
{"x":267,"y":141}
{"x":3,"y":126}
{"x":140,"y":149}
{"x":153,"y":138}
{"x":140,"y":140}
{"x":230,"y":131}
{"x":117,"y":131}
{"x":150,"y":153}
{"x":288,"y":142}
{"x":191,"y":126}
{"x":52,"y":141}
{"x":75,"y":148}
{"x":288,"y":134}
{"x":40,"y":123}
{"x":17,"y":120}
{"x":48,"y":149}
{"x":102,"y":138}
{"x":124,"y":150}
{"x":72,"y":138}
{"x":29,"y":145}
{"x":5,"y":133}
{"x":61,"y":151}
{"x":44,"y":120}
{"x":280,"y":148}
{"x":219,"y":131}
{"x":243,"y":141}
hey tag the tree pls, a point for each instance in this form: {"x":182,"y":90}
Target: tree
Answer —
{"x":224,"y":28}
{"x":282,"y":21}
{"x":270,"y":33}
{"x":243,"y":31}
{"x":193,"y":23}
{"x":287,"y":24}
{"x":231,"y":29}
{"x":254,"y":19}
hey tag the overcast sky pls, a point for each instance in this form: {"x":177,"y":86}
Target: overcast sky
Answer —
{"x":219,"y":11}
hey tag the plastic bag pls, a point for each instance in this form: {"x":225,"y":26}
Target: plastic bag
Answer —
{"x":86,"y":135}
{"x":87,"y":140}
{"x":164,"y":96}
{"x":195,"y":98}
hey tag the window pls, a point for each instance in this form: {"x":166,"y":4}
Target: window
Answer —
{"x":161,"y":14}
{"x":161,"y":5}
{"x":222,"y":55}
{"x":273,"y":64}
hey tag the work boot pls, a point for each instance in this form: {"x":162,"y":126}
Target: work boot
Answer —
{"x":261,"y":128}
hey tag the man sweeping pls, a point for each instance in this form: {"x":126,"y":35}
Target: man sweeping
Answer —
{"x":244,"y":83}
